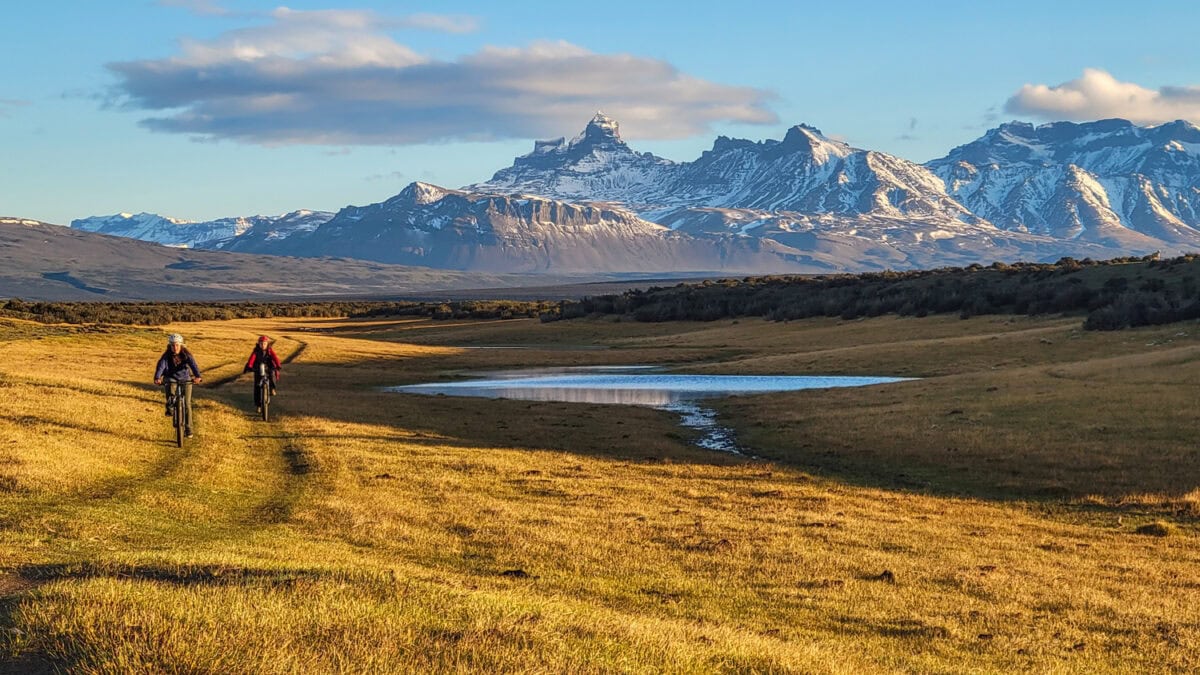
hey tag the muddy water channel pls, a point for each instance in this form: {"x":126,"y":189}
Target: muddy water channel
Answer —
{"x":639,"y":385}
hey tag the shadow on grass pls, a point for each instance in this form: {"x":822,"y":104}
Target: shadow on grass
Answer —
{"x":182,"y":575}
{"x":624,"y":433}
{"x":16,"y":657}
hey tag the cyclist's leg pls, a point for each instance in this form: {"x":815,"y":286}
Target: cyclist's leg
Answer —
{"x":257,"y":390}
{"x":187,"y":405}
{"x":168,"y":389}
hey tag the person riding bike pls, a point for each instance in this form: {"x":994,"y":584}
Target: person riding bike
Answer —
{"x":178,"y":370}
{"x":263,"y":353}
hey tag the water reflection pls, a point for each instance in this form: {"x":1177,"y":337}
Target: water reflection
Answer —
{"x":619,"y":385}
{"x":638,"y":385}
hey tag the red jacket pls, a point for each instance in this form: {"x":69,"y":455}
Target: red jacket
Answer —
{"x":272,"y":360}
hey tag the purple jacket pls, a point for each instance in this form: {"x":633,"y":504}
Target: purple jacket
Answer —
{"x":184,"y":372}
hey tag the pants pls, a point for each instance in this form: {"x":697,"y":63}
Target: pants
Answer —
{"x":258,"y":387}
{"x":170,"y":387}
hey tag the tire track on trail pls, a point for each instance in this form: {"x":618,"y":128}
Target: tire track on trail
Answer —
{"x":292,"y":461}
{"x":298,"y":464}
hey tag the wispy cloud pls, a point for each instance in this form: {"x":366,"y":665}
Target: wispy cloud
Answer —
{"x":337,"y":78}
{"x":909,"y":134}
{"x":394,"y":176}
{"x":446,"y":23}
{"x":8,"y":105}
{"x":201,"y":7}
{"x":1099,"y":95}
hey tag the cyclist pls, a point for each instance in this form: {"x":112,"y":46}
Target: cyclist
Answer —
{"x":178,"y":370}
{"x":263,"y":353}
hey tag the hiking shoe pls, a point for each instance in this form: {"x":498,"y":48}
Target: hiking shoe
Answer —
{"x":168,"y":413}
{"x":187,"y":432}
{"x":258,"y":409}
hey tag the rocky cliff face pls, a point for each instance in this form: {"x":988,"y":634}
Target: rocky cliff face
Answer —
{"x":454,"y":229}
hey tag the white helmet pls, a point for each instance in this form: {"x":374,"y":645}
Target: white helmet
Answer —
{"x":175,"y":339}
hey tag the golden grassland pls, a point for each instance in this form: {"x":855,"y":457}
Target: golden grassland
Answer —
{"x":992,"y":516}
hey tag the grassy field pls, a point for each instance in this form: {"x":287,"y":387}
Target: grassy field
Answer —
{"x":1031,"y":503}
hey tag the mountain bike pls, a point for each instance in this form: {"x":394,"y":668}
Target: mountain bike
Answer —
{"x":264,"y":389}
{"x":177,"y":404}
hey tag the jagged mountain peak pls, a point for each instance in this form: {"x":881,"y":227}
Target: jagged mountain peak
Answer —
{"x":1179,"y":130}
{"x":602,"y":127}
{"x":419,"y":192}
{"x":805,"y":138}
{"x":596,"y":165}
{"x":602,"y":133}
{"x":800,"y":138}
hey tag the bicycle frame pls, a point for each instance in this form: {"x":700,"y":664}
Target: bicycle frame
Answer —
{"x":264,"y":389}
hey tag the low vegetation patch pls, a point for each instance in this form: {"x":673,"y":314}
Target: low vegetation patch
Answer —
{"x":1113,"y":294}
{"x":161,"y":313}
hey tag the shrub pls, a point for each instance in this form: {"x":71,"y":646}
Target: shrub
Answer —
{"x":1156,"y":529}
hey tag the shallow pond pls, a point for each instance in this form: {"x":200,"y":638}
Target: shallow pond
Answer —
{"x":638,"y":385}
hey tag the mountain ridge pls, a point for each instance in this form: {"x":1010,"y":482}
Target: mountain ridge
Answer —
{"x":803,"y":203}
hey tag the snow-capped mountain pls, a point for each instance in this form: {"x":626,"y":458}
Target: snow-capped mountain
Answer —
{"x":153,"y":227}
{"x":596,"y":165}
{"x":267,"y":230}
{"x":199,"y":234}
{"x":1110,"y":181}
{"x":804,"y":173}
{"x":456,"y":229}
{"x":806,"y":203}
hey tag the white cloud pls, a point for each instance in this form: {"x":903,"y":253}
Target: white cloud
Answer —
{"x":337,"y":78}
{"x":1098,"y":95}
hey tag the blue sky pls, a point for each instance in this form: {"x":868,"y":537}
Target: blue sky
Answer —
{"x":199,"y":109}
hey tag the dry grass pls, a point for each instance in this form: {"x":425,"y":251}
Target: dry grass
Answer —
{"x":372,"y":532}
